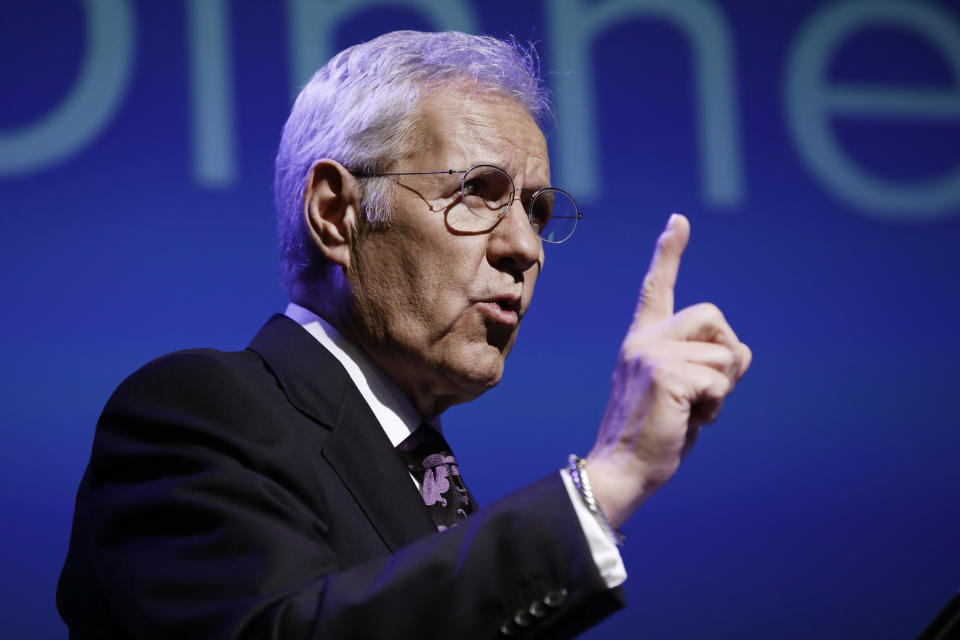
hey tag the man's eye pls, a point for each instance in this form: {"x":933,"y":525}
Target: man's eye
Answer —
{"x":475,"y":187}
{"x":540,"y":212}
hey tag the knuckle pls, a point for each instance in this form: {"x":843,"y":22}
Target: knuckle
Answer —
{"x":737,"y":361}
{"x":712,"y":313}
{"x":727,"y":357}
{"x":640,"y":339}
{"x":747,"y":358}
{"x":660,"y":369}
{"x":726,"y":386}
{"x":667,"y":375}
{"x":720,"y":387}
{"x":662,"y":241}
{"x":648,"y":287}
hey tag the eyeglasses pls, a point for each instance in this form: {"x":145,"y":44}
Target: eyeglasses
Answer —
{"x":488,"y":192}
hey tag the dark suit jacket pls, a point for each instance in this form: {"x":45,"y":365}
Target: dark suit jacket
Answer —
{"x":254,"y":495}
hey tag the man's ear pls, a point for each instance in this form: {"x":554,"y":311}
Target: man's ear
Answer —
{"x":331,"y":206}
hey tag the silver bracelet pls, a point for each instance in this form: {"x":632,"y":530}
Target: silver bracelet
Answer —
{"x":578,"y":473}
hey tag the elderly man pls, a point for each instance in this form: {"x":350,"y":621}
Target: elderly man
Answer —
{"x":302,"y":488}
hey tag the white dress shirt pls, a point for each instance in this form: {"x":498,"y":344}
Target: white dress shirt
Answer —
{"x":399,"y":418}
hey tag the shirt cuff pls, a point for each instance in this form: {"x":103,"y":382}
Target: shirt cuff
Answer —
{"x":604,"y":551}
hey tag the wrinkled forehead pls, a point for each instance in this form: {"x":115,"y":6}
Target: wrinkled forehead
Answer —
{"x":460,"y":129}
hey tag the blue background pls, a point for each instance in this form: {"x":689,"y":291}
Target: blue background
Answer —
{"x":826,"y":500}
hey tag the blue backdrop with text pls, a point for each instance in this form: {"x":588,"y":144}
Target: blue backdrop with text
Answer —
{"x":815,"y":146}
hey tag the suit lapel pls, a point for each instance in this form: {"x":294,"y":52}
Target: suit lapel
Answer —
{"x":369,"y":466}
{"x":357,"y":448}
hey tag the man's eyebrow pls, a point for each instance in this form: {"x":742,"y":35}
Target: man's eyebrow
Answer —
{"x":510,"y":169}
{"x":535,"y":185}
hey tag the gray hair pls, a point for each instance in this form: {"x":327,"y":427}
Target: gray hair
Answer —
{"x":358,"y":110}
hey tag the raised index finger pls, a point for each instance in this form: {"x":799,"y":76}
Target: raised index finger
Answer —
{"x":656,"y":295}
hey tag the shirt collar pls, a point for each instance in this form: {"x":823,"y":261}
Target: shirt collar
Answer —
{"x":392,"y":408}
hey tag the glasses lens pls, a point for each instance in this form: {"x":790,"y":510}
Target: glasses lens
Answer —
{"x":487,"y":191}
{"x":553,"y":215}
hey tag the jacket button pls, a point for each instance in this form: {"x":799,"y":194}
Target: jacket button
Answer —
{"x":523,"y":618}
{"x":555,"y":598}
{"x":538,"y":609}
{"x":509,"y":629}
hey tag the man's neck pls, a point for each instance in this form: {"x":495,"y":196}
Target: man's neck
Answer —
{"x":390,"y":404}
{"x":390,"y":360}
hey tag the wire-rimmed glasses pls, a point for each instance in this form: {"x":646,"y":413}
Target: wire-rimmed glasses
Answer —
{"x":488,"y":193}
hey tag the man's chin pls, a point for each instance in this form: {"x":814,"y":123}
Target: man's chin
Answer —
{"x":501,"y":336}
{"x":478,"y":376}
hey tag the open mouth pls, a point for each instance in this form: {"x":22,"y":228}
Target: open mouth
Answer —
{"x":502,"y":310}
{"x":508,"y":303}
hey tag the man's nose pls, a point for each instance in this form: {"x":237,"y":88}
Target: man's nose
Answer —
{"x":513,"y":245}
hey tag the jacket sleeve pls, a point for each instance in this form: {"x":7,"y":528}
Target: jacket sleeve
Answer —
{"x":182,"y":531}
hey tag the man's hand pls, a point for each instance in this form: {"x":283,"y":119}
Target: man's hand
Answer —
{"x":672,"y":375}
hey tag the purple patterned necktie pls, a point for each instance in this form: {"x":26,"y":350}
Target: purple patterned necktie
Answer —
{"x":428,"y":457}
